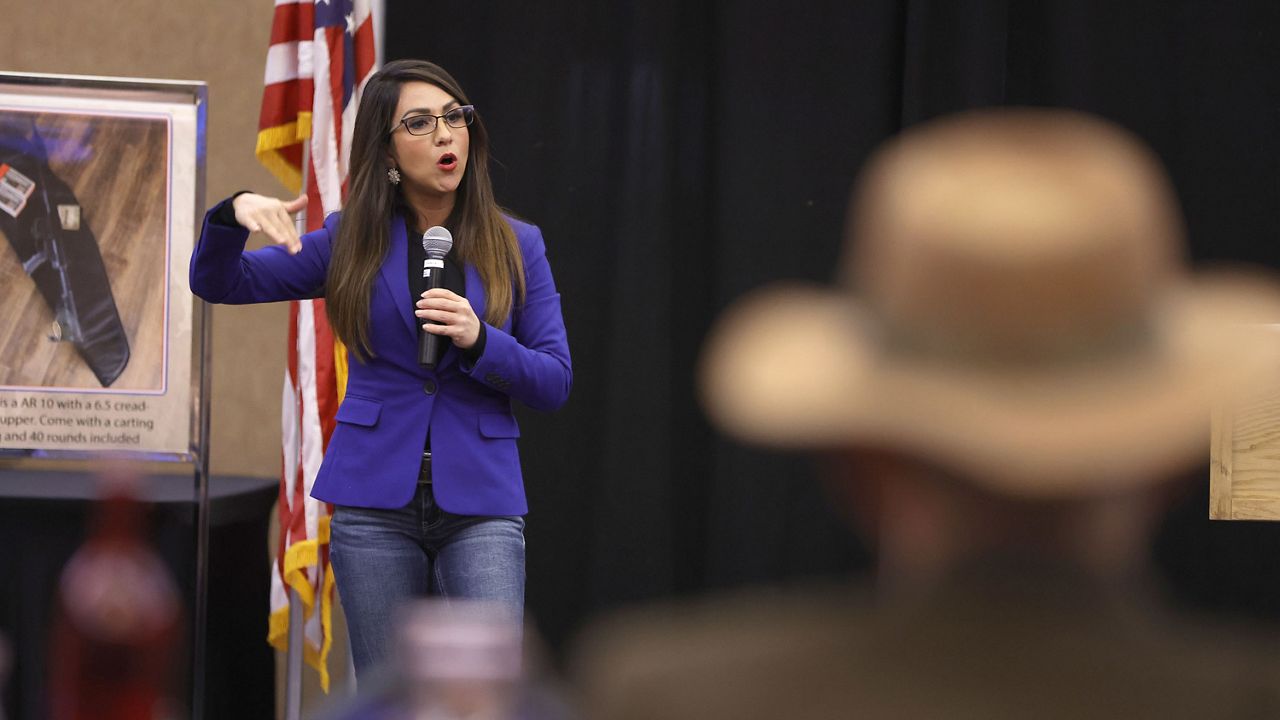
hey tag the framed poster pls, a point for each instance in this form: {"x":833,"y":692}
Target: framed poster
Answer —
{"x":101,"y":195}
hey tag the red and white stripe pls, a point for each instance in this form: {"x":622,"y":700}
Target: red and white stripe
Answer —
{"x":303,"y":58}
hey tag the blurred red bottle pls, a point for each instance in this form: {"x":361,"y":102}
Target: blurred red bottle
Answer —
{"x":117,"y":620}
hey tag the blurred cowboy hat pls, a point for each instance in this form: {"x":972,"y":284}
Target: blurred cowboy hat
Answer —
{"x":1014,"y":305}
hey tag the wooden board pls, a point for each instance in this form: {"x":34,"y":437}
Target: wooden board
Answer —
{"x":1244,"y":458}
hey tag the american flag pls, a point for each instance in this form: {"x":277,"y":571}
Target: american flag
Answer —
{"x":325,"y":46}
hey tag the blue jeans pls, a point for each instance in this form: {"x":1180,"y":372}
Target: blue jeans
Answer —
{"x":382,"y":558}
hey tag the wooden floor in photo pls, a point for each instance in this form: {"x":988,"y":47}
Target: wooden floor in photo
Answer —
{"x":117,"y":168}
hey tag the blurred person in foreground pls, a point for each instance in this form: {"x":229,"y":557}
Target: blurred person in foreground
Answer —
{"x":1016,"y":365}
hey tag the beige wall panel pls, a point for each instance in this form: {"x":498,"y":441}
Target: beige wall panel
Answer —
{"x":223,"y":44}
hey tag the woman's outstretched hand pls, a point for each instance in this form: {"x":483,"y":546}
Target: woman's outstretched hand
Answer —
{"x":271,"y":216}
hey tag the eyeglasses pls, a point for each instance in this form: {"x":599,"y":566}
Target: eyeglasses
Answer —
{"x":425,"y":124}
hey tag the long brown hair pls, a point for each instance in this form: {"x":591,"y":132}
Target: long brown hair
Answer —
{"x":482,"y":236}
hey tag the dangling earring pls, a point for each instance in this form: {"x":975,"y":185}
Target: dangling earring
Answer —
{"x":393,"y":175}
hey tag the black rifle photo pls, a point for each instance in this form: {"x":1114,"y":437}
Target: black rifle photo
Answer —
{"x":43,"y":222}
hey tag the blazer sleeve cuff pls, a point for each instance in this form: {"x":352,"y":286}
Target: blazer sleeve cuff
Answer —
{"x":471,"y":355}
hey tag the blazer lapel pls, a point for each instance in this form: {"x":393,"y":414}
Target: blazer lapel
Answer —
{"x":395,"y":273}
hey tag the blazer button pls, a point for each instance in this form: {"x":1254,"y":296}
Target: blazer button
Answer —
{"x":429,"y":387}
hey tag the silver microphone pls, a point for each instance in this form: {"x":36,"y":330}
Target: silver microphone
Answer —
{"x":437,"y":242}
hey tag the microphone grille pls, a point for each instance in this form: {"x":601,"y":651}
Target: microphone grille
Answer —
{"x":437,"y":241}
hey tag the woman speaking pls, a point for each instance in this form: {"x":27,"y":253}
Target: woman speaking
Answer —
{"x":422,"y":467}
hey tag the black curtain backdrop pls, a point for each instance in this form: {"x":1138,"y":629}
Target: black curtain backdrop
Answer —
{"x":677,"y":153}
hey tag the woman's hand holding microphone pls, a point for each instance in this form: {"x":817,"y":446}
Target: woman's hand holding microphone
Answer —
{"x":449,"y":314}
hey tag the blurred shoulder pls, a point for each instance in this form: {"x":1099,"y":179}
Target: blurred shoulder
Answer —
{"x":717,"y":657}
{"x":831,"y":652}
{"x":708,"y":618}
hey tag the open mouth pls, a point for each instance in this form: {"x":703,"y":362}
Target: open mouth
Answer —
{"x":447,"y":161}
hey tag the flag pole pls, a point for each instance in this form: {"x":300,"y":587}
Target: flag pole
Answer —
{"x":295,"y":651}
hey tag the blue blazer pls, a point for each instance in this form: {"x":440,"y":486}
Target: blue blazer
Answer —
{"x":374,"y":454}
